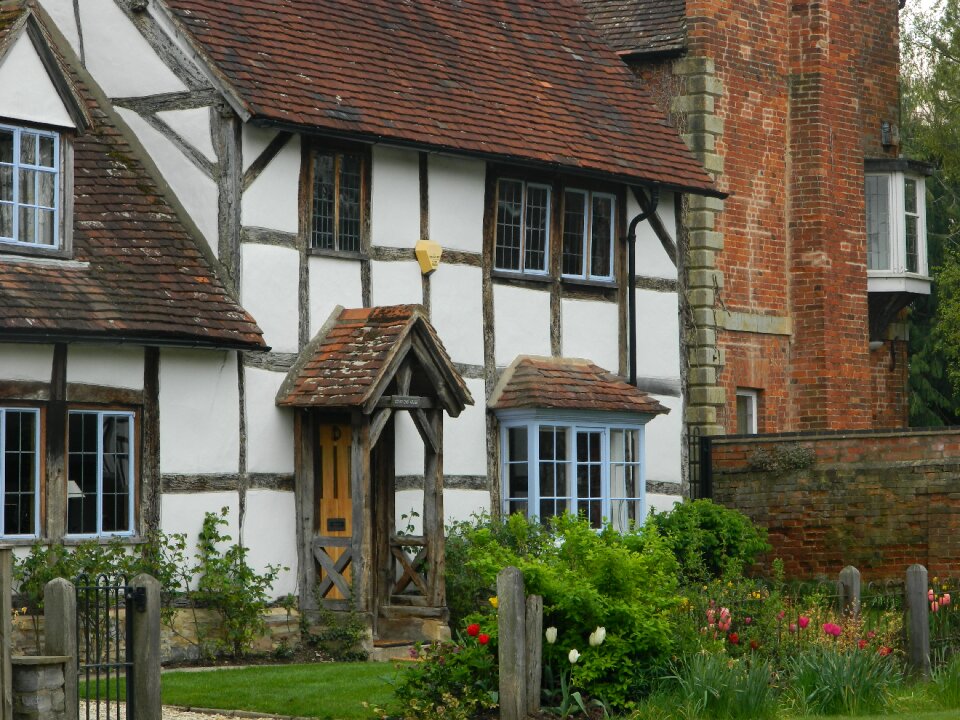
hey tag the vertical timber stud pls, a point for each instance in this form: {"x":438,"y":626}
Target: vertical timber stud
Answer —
{"x":918,"y":622}
{"x":228,"y":147}
{"x":146,"y":649}
{"x":6,"y":638}
{"x":433,"y":508}
{"x":150,"y":480}
{"x":60,"y":636}
{"x":512,"y":644}
{"x":489,"y":340}
{"x":534,"y":652}
{"x":304,"y":484}
{"x":362,"y":543}
{"x":849,"y":587}
{"x":56,"y":495}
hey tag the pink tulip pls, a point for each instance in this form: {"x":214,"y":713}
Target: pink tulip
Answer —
{"x":945,"y":600}
{"x":747,"y":620}
{"x":803,"y":621}
{"x":934,"y":606}
{"x":793,"y":627}
{"x":930,"y":595}
{"x":711,"y":616}
{"x":724,"y":612}
{"x":781,"y":614}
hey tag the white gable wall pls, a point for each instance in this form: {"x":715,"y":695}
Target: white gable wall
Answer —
{"x":395,"y":197}
{"x":26,"y":362}
{"x":193,"y":126}
{"x":270,"y":293}
{"x":63,"y":15}
{"x":272,"y":200}
{"x":109,"y":365}
{"x":28,"y":93}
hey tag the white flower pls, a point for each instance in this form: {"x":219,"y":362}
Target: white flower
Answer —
{"x":551,"y":634}
{"x":598,"y":636}
{"x":573,"y":656}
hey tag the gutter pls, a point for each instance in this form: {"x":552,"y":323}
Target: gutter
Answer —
{"x":55,"y":338}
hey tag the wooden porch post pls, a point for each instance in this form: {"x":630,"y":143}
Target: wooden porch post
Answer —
{"x":362,"y":527}
{"x":304,"y":432}
{"x":433,"y":509}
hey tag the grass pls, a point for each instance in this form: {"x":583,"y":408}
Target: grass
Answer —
{"x":331,"y":691}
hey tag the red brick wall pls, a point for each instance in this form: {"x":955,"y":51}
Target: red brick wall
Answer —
{"x":877,"y":500}
{"x":806,"y":86}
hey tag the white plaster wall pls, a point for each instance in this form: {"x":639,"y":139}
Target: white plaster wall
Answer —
{"x":61,"y":12}
{"x":591,"y":330}
{"x":652,"y":259}
{"x":662,"y":442}
{"x":26,"y":362}
{"x":395,"y":197}
{"x":456,"y":308}
{"x":407,"y":500}
{"x":333,"y":281}
{"x":408,"y":448}
{"x":269,"y":530}
{"x":28,"y":93}
{"x":118,"y":56}
{"x":269,"y":428}
{"x":192,"y":125}
{"x":199,"y":412}
{"x":464,"y":437}
{"x":269,"y":293}
{"x":661,"y":503}
{"x":183,"y":513}
{"x":197,"y":192}
{"x":396,"y":283}
{"x":658,"y":335}
{"x":456,"y":197}
{"x":254,"y":142}
{"x":521,"y":322}
{"x":462,"y":504}
{"x":110,"y":365}
{"x":273,"y":199}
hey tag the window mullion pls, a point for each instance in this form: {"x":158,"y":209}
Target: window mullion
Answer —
{"x":533,"y":470}
{"x":337,"y":160}
{"x":587,"y":234}
{"x":523,"y":226}
{"x":3,"y":471}
{"x":606,"y":506}
{"x":15,"y":168}
{"x":99,"y":499}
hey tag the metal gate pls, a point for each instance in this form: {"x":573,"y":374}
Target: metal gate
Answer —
{"x":699,"y":464}
{"x":105,"y":608}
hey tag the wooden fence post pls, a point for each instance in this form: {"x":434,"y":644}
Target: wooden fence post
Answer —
{"x":534,"y":652}
{"x":60,"y":636}
{"x":849,"y":587}
{"x":146,"y":648}
{"x":917,"y":621}
{"x":6,"y":633}
{"x":511,"y":625}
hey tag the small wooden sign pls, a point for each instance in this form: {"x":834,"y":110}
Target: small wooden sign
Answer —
{"x":428,"y":255}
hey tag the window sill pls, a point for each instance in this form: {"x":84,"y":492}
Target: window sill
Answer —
{"x":524,"y":277}
{"x":588,"y":282}
{"x":881,"y":281}
{"x":337,"y":254}
{"x":73,"y":541}
{"x":28,"y":253}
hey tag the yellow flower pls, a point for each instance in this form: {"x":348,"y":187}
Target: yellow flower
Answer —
{"x":495,"y":601}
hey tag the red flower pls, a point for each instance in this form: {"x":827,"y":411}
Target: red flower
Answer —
{"x":754,"y":645}
{"x":733,"y":638}
{"x":884,"y":650}
{"x":861,"y":644}
{"x":483,"y":639}
{"x":803,"y":621}
{"x":473,"y":630}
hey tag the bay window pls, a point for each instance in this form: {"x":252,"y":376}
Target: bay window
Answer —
{"x":894,"y":194}
{"x":560,"y":463}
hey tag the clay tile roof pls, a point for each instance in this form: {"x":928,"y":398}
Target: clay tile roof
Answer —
{"x":135,"y":274}
{"x":641,"y":26}
{"x":347,"y":362}
{"x":514,"y":80}
{"x":568,"y":384}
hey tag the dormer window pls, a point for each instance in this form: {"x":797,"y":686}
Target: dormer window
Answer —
{"x":29,"y":187}
{"x":896,"y":219}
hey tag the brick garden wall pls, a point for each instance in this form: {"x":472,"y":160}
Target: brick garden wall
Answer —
{"x":877,"y":500}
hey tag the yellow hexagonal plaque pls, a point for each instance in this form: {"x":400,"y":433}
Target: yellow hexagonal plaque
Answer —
{"x":428,"y":255}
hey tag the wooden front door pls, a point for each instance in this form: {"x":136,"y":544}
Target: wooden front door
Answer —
{"x":334,"y":518}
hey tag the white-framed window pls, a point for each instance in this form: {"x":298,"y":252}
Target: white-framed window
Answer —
{"x":338,"y":197}
{"x":523,"y":227}
{"x":589,"y":221}
{"x":555,"y":463}
{"x":20,"y":471}
{"x":100,"y":473}
{"x":747,"y":403}
{"x":896,"y":224}
{"x":29,"y":187}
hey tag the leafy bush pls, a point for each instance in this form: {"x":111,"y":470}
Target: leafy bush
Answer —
{"x":452,"y":681}
{"x":334,"y":636}
{"x":625,"y":583}
{"x":709,"y":540}
{"x":712,"y":686}
{"x":831,"y":681}
{"x":945,"y":683}
{"x":227,"y":584}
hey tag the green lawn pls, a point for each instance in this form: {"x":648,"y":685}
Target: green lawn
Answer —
{"x":332,"y":691}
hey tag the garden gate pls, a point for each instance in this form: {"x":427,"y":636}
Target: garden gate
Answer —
{"x":105,"y":643}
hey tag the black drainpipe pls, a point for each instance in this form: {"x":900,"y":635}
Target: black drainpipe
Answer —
{"x":632,"y":276}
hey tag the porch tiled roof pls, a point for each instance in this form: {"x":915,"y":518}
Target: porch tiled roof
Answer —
{"x":515,"y":80}
{"x":135,"y":274}
{"x":568,"y":384}
{"x":345,"y":362}
{"x":641,"y":26}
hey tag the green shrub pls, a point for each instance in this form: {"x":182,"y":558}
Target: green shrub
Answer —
{"x":712,"y":686}
{"x":945,"y":683}
{"x":828,"y":681}
{"x":710,"y":540}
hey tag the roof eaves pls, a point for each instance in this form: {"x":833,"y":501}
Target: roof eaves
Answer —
{"x":305,"y":356}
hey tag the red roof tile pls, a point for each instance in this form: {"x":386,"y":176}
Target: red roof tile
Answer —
{"x":641,"y":26}
{"x":347,"y":361}
{"x":516,"y":80}
{"x":136,"y":273}
{"x":568,"y":384}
